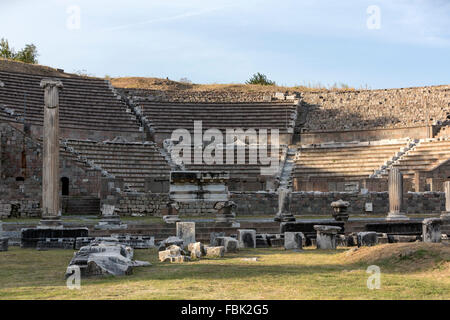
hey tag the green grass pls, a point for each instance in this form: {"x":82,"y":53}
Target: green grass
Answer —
{"x":278,"y":274}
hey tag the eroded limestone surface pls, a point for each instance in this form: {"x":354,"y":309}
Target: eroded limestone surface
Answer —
{"x":105,"y":258}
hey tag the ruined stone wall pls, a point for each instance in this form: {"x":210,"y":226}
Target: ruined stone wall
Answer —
{"x":148,"y":204}
{"x":303,"y":203}
{"x":21,"y":174}
{"x":215,"y":96}
{"x":155,"y":204}
{"x":255,"y":203}
{"x":318,"y":203}
{"x":369,"y":109}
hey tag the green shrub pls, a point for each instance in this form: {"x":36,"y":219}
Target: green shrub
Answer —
{"x":261,"y":79}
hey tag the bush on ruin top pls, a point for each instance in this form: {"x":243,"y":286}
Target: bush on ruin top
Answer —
{"x":261,"y":79}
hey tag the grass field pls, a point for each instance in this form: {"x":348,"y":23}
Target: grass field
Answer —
{"x":408,"y":271}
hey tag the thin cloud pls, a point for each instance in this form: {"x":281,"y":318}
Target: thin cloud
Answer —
{"x":165,"y":19}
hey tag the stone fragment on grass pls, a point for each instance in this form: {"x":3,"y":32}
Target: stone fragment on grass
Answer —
{"x":367,"y":239}
{"x":104,"y":258}
{"x":215,"y":252}
{"x":247,"y":238}
{"x":197,"y":250}
{"x":293,"y":240}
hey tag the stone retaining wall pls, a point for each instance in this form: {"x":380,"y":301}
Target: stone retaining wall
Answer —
{"x":318,"y":203}
{"x":203,"y":96}
{"x":303,"y":203}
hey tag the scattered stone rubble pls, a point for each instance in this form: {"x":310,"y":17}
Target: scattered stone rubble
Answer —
{"x":173,"y":254}
{"x":133,"y":241}
{"x":104,"y":258}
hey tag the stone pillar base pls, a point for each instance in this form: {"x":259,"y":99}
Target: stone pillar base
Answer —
{"x":396,"y":216}
{"x":50,"y":223}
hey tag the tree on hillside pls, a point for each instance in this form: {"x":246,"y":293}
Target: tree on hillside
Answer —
{"x":259,"y":78}
{"x":28,"y":54}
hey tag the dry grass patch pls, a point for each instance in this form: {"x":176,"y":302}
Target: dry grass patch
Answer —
{"x":170,"y":85}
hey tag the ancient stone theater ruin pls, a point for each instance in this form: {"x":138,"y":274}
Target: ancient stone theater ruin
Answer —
{"x":79,"y":147}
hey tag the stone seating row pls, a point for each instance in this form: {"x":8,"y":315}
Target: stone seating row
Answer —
{"x":84,"y":103}
{"x":166,"y":117}
{"x":119,"y":159}
{"x":351,"y":161}
{"x":425,"y":156}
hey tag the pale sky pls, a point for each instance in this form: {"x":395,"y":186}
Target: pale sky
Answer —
{"x":293,"y":42}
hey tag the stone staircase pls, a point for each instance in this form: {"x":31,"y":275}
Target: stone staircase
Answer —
{"x":288,"y":167}
{"x":383,"y":171}
{"x":83,"y":205}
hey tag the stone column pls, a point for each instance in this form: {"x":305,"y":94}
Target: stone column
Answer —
{"x":51,"y":213}
{"x":396,"y":195}
{"x":284,"y":204}
{"x":445,"y":216}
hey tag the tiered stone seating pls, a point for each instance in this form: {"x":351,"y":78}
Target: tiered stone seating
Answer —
{"x":134,"y":162}
{"x":237,"y":171}
{"x":369,"y":109}
{"x":166,"y":117}
{"x":427,"y":155}
{"x":86,"y":103}
{"x":346,"y":162}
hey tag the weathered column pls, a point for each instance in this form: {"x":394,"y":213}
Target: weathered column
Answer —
{"x":284,"y":205}
{"x":51,"y":214}
{"x":445,"y":216}
{"x":396,"y":195}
